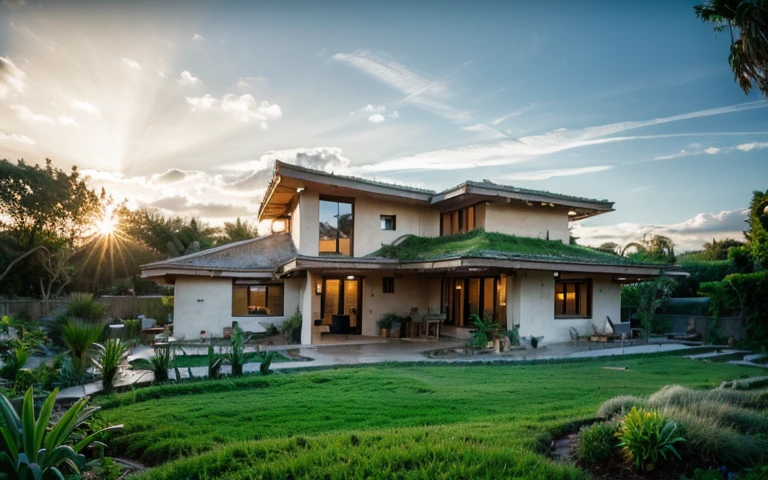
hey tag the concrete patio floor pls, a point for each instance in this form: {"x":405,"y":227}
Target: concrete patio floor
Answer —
{"x":358,"y":351}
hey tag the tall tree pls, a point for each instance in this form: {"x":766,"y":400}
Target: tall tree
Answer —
{"x":43,"y":211}
{"x":757,"y":232}
{"x":653,"y":247}
{"x":718,"y":250}
{"x":237,"y":231}
{"x":747,"y":24}
{"x":168,"y":236}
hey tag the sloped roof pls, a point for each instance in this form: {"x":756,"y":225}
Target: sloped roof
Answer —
{"x":258,"y":254}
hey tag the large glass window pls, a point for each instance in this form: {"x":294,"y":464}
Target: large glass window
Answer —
{"x":457,"y":221}
{"x":264,"y":299}
{"x":573,"y":298}
{"x":481,"y":296}
{"x":336,"y":226}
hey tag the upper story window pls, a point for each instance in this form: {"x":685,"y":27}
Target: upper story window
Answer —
{"x":573,"y":299}
{"x":457,"y":221}
{"x":336,"y":226}
{"x":388,"y":222}
{"x":264,"y":299}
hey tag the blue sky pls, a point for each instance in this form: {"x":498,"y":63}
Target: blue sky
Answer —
{"x":183,"y":106}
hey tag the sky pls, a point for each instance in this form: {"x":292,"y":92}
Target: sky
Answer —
{"x":185,"y":105}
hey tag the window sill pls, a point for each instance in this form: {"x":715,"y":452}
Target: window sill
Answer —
{"x":573,"y":317}
{"x":257,"y":316}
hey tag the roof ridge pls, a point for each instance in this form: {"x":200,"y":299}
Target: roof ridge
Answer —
{"x":209,"y":251}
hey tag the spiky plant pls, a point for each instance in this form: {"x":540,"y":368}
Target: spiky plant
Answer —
{"x":40,"y":448}
{"x":267,"y":362}
{"x":111,"y":353}
{"x":85,"y":307}
{"x":79,"y":336}
{"x":237,"y":356}
{"x":214,"y":363}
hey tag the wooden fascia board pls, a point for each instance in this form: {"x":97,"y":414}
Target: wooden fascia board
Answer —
{"x":354,"y":185}
{"x":205,"y":272}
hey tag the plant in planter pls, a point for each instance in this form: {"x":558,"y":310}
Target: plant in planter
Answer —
{"x":386,"y":322}
{"x":646,"y":438}
{"x":486,"y":330}
{"x":237,"y":356}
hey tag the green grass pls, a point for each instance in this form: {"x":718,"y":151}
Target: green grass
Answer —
{"x":405,"y":421}
{"x":481,"y":243}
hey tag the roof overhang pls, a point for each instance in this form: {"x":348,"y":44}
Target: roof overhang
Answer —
{"x":468,"y":264}
{"x":168,"y":274}
{"x":470,"y":193}
{"x":288,"y":181}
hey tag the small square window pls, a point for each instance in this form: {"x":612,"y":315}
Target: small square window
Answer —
{"x":388,"y":284}
{"x":388,"y":222}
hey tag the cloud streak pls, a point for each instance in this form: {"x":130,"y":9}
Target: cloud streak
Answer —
{"x":562,"y":172}
{"x":507,"y":152}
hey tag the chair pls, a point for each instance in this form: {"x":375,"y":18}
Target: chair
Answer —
{"x":575,"y":337}
{"x":623,"y":329}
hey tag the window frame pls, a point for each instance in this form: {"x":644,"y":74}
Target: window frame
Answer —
{"x":350,"y":201}
{"x":464,"y":219}
{"x":247,"y":285}
{"x":382,"y":219}
{"x":576,"y":282}
{"x":388,"y":285}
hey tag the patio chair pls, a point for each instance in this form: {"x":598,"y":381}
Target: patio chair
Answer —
{"x":598,"y":336}
{"x":575,"y":337}
{"x":623,"y":329}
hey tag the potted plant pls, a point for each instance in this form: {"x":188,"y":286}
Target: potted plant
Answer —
{"x":386,"y":322}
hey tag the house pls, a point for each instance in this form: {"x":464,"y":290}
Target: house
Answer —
{"x":347,"y":250}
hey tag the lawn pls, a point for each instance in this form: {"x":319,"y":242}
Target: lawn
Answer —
{"x":184,"y":361}
{"x":402,"y":421}
{"x":481,"y":243}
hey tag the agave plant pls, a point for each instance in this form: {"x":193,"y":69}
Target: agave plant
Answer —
{"x":267,"y":362}
{"x":237,"y":356}
{"x":38,"y":448}
{"x":80,"y":336}
{"x":112,"y":352}
{"x":85,"y":307}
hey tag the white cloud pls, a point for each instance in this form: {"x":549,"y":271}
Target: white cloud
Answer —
{"x":513,"y":114}
{"x":562,"y":172}
{"x":505,"y":152}
{"x":246,"y":108}
{"x":394,"y":114}
{"x":131,"y":63}
{"x":15,"y":137}
{"x":376,"y":118}
{"x":24,"y":113}
{"x":198,"y":38}
{"x":712,"y":151}
{"x":418,"y":90}
{"x":206,"y":102}
{"x":690,"y":234}
{"x":11,"y":78}
{"x":375,"y":108}
{"x":746,"y":147}
{"x":246,"y":82}
{"x":243,"y":84}
{"x":391,"y":73}
{"x":640,"y":189}
{"x":86,"y":107}
{"x":68,"y":121}
{"x":188,"y":79}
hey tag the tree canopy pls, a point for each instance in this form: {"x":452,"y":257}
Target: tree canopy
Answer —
{"x":747,"y":24}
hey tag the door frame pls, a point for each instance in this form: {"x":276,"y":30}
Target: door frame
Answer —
{"x":358,"y":329}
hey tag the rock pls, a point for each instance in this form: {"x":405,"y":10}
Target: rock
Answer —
{"x":505,"y":344}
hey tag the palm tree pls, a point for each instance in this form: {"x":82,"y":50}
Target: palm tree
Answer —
{"x":747,"y":23}
{"x":235,"y":232}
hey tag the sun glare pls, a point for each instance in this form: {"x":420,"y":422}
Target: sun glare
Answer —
{"x":106,"y":225}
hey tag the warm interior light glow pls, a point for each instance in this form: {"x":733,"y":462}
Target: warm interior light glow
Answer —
{"x":571,"y":296}
{"x":278,"y":226}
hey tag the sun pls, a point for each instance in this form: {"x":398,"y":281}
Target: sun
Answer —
{"x":106,"y":226}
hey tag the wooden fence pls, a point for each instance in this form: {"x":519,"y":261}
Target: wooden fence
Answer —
{"x":117,"y":307}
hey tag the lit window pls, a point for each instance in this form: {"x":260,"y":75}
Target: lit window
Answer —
{"x":257,"y":299}
{"x":573,"y":298}
{"x":336,"y":226}
{"x":388,"y":222}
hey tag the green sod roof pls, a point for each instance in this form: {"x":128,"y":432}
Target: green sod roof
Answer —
{"x":479,"y":243}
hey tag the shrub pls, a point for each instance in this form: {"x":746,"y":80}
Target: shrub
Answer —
{"x":618,"y":406}
{"x":132,"y":328}
{"x":14,"y":360}
{"x":514,"y":336}
{"x":112,"y":353}
{"x":267,"y":362}
{"x":645,"y":438}
{"x":237,"y":356}
{"x":85,"y":307}
{"x":485,"y":330}
{"x":79,"y":336}
{"x":596,"y":443}
{"x":292,"y":328}
{"x":37,"y":447}
{"x":161,"y":363}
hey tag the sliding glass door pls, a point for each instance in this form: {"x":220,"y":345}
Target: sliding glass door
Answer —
{"x":341,"y":298}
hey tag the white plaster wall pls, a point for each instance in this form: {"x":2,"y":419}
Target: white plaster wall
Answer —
{"x":214,"y":311}
{"x":369,"y":237}
{"x":309,"y":223}
{"x":296,"y":225}
{"x":307,"y":289}
{"x":525,"y":221}
{"x":535,"y":309}
{"x":409,"y":292}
